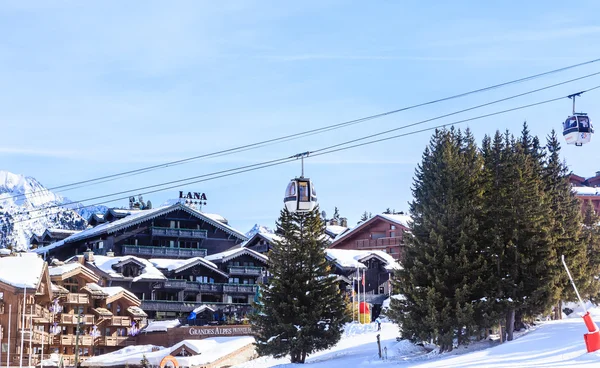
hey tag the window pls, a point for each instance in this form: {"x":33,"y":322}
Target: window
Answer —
{"x":377,"y":235}
{"x":101,"y":245}
{"x":393,"y":227}
{"x":1,"y":295}
{"x":234,"y":280}
{"x":172,"y":224}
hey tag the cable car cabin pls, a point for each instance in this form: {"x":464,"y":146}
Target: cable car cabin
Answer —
{"x":300,"y":195}
{"x":578,"y":129}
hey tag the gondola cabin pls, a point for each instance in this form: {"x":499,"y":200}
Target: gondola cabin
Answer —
{"x":578,"y":129}
{"x":300,"y":195}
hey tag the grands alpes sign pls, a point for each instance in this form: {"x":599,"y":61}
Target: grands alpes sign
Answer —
{"x":220,"y":331}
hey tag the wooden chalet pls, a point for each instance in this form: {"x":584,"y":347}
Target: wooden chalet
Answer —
{"x":587,"y":189}
{"x":384,"y":232}
{"x":50,"y":236}
{"x":175,"y":231}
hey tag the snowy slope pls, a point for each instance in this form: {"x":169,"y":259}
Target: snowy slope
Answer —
{"x":259,"y":229}
{"x":27,"y":207}
{"x":550,"y":344}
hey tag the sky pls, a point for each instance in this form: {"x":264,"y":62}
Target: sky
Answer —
{"x":96,"y":88}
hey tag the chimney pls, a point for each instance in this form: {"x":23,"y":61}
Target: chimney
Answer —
{"x":344,"y":222}
{"x":333,"y":222}
{"x":597,"y":173}
{"x":110,"y":253}
{"x":88,"y":255}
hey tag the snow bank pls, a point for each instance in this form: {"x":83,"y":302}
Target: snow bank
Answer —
{"x":155,"y":326}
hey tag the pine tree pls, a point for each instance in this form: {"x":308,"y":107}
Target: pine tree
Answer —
{"x":590,"y":236}
{"x":565,"y":230}
{"x":442,"y":279}
{"x":303,"y":309}
{"x":364,"y":217}
{"x":516,"y":226}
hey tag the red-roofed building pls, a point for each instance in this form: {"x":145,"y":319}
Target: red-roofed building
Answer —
{"x":587,"y":189}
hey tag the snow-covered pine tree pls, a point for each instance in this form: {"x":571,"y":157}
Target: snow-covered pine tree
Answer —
{"x":443,"y":269}
{"x":302,"y":310}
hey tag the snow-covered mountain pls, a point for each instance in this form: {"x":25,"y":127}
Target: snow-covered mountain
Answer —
{"x":27,"y":207}
{"x":259,"y":229}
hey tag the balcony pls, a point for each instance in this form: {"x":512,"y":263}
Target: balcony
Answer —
{"x":120,"y":321}
{"x":181,"y":307}
{"x":38,"y":313}
{"x":381,"y":242}
{"x":144,"y":250}
{"x":75,"y":298}
{"x":239,"y":289}
{"x":36,"y":336}
{"x":70,"y":340}
{"x":245,"y":270}
{"x":114,"y":340}
{"x":71,"y":319}
{"x":178,"y":233}
{"x":210,"y":288}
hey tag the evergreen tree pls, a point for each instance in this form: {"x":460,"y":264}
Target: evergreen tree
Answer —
{"x":303,"y":309}
{"x":364,"y":217}
{"x":516,"y":227}
{"x":590,"y":236}
{"x":565,"y":230}
{"x":443,"y":270}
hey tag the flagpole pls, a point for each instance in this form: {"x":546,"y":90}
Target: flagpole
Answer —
{"x":9,"y":318}
{"x":358,"y":287}
{"x":22,"y":328}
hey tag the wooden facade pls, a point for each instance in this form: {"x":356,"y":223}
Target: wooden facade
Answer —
{"x":587,"y":189}
{"x":66,"y":313}
{"x":381,"y":232}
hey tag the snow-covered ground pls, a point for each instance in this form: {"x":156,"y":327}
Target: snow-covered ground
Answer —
{"x":549,"y":344}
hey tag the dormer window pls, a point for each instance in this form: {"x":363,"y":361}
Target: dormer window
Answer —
{"x":131,"y":270}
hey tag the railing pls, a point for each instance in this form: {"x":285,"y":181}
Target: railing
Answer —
{"x":210,"y":288}
{"x":40,"y":314}
{"x":144,"y":250}
{"x":75,"y":298}
{"x":245,"y":270}
{"x":72,"y":339}
{"x":184,"y":307}
{"x":381,"y":242}
{"x":36,"y":336}
{"x":120,"y":321}
{"x":71,"y":319}
{"x":69,"y":360}
{"x":179,"y":232}
{"x":114,"y":340}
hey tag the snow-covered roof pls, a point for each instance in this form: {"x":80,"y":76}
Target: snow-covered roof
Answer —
{"x":351,"y":258}
{"x":105,"y":264}
{"x":208,"y":350}
{"x":336,"y":229}
{"x":179,"y":265}
{"x":234,"y":253}
{"x":586,"y":191}
{"x":216,"y":217}
{"x":402,"y":220}
{"x":136,"y":217}
{"x":5,"y":251}
{"x":156,"y":326}
{"x":266,"y":236}
{"x":22,"y":271}
{"x":60,"y":270}
{"x":111,"y":291}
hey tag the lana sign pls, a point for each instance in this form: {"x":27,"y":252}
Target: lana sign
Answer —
{"x":220,"y":331}
{"x":192,"y":195}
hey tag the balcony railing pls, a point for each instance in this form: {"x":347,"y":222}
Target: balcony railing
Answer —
{"x":36,"y":336}
{"x":71,"y":319}
{"x":114,"y":340}
{"x":210,"y":288}
{"x":71,"y":340}
{"x":183,"y":307}
{"x":39,"y":313}
{"x":245,"y":270}
{"x":75,"y":298}
{"x":178,"y":232}
{"x":381,"y":242}
{"x":144,"y":250}
{"x":120,"y":321}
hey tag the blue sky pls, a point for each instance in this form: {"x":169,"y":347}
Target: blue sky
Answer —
{"x":94,"y":88}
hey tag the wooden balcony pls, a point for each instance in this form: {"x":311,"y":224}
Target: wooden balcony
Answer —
{"x":210,"y":288}
{"x":75,"y":298}
{"x":38,"y":313}
{"x":120,"y":321}
{"x":114,"y":340}
{"x":70,"y":340}
{"x":36,"y":336}
{"x":183,"y":307}
{"x":71,"y":319}
{"x":381,"y":242}
{"x":245,"y":270}
{"x":178,"y":233}
{"x":145,"y":250}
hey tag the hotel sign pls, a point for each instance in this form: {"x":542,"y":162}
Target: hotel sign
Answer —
{"x":192,"y":195}
{"x":220,"y":331}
